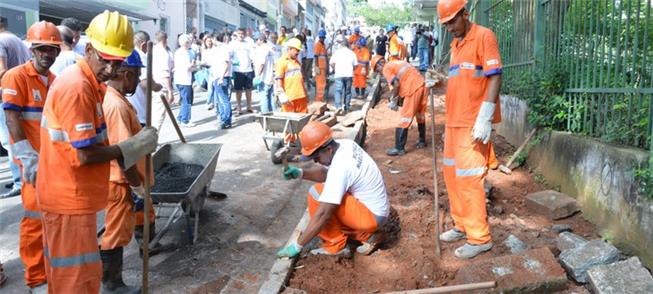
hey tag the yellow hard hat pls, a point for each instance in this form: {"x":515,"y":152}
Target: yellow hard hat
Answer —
{"x":294,"y":43}
{"x":111,"y":33}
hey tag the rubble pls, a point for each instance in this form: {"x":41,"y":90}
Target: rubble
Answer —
{"x":552,"y":204}
{"x":580,"y":259}
{"x":515,"y":245}
{"x":567,"y":240}
{"x":628,"y":276}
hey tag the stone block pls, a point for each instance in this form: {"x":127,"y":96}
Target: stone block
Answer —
{"x":534,"y":270}
{"x":329,"y":120}
{"x":317,"y":108}
{"x":351,"y":118}
{"x":567,"y":240}
{"x":552,"y":204}
{"x":515,"y":245}
{"x":580,"y":259}
{"x":628,"y":276}
{"x":559,"y":228}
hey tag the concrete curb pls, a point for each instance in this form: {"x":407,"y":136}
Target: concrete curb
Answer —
{"x":280,"y":271}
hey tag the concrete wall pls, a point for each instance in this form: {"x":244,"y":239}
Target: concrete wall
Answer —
{"x":599,"y":175}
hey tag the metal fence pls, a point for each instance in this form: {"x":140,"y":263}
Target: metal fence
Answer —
{"x":604,"y":48}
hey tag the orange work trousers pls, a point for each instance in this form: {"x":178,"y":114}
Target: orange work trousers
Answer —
{"x":360,"y":81}
{"x":320,"y":84}
{"x":120,"y":218}
{"x":31,"y":238}
{"x":464,"y":169}
{"x":72,"y":258}
{"x":414,"y":106}
{"x":298,"y":105}
{"x":351,"y":218}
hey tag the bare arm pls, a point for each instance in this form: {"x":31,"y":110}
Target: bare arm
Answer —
{"x":315,"y":173}
{"x":3,"y":66}
{"x":322,"y":215}
{"x":14,"y":126}
{"x":155,"y":86}
{"x":132,"y":176}
{"x":96,"y":154}
{"x":493,"y":88}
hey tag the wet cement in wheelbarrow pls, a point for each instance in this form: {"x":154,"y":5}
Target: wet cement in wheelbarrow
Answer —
{"x":176,"y":177}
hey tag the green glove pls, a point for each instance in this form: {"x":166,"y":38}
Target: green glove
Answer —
{"x":290,"y":251}
{"x":257,"y":81}
{"x":292,"y":172}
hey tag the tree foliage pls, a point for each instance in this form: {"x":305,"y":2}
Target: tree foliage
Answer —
{"x":381,"y":16}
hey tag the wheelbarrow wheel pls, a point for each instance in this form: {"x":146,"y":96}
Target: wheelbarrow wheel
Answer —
{"x":276,"y":145}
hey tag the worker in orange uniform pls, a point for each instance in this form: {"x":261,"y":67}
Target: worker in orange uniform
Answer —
{"x":349,"y":199}
{"x":289,"y":81}
{"x":72,"y":179}
{"x":353,"y":39}
{"x":394,"y":46}
{"x":408,"y":91}
{"x":360,"y":72}
{"x":25,"y":90}
{"x":320,"y":69}
{"x":122,"y":123}
{"x":472,"y":103}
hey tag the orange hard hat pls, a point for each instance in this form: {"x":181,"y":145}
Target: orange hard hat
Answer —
{"x":313,"y":136}
{"x":375,"y":60}
{"x":44,"y":33}
{"x":447,"y":9}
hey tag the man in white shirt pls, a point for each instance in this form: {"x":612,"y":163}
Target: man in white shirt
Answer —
{"x":162,"y":66}
{"x":264,"y":71}
{"x":183,"y":77}
{"x":67,"y":56}
{"x":243,"y":70}
{"x":307,"y":61}
{"x":220,"y":76}
{"x":343,"y":62}
{"x":277,"y":49}
{"x":349,"y":199}
{"x":139,"y":98}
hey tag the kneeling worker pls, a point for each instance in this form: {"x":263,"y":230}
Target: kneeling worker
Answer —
{"x":349,"y":199}
{"x":404,"y":81}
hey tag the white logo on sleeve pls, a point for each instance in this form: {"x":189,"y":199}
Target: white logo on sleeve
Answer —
{"x":492,"y":62}
{"x":84,"y":127}
{"x":9,"y":91}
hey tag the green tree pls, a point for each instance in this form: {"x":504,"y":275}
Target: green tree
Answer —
{"x":380,"y":16}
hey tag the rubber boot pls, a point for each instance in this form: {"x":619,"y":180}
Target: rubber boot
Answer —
{"x":112,"y":273}
{"x":401,"y":135}
{"x":422,"y":136}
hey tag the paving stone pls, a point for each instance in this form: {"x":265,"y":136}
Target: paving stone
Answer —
{"x":567,"y":240}
{"x":578,"y":260}
{"x":351,"y":118}
{"x":329,"y":120}
{"x":515,"y":245}
{"x":559,"y":228}
{"x":534,"y":270}
{"x":628,"y":276}
{"x":317,"y":108}
{"x":552,"y":204}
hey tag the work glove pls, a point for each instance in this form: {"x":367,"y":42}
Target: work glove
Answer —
{"x":316,"y":71}
{"x":138,"y":196}
{"x":290,"y":251}
{"x":29,"y":158}
{"x":283,"y":98}
{"x":136,"y":147}
{"x":483,"y":125}
{"x":257,"y":81}
{"x":393,"y":104}
{"x":293,"y":172}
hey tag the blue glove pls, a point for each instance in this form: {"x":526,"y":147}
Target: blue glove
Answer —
{"x":292,"y":172}
{"x":290,"y":251}
{"x":257,"y":81}
{"x":137,"y":196}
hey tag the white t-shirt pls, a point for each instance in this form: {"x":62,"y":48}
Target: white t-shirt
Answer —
{"x":242,"y":55}
{"x":64,"y":59}
{"x":276,"y":51}
{"x":182,"y":74}
{"x":139,"y":99}
{"x":220,"y":56}
{"x":353,"y":170}
{"x":263,"y":55}
{"x":310,"y":42}
{"x":162,"y":63}
{"x":344,"y":60}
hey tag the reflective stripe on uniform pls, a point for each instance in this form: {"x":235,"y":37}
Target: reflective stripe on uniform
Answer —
{"x":68,"y":261}
{"x":460,"y":172}
{"x":449,"y":161}
{"x":406,"y":119}
{"x":402,"y":70}
{"x":35,"y":116}
{"x":292,"y":72}
{"x":32,"y":214}
{"x":314,"y":193}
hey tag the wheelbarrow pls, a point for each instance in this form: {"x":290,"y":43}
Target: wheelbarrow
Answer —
{"x":189,"y":202}
{"x":277,"y":125}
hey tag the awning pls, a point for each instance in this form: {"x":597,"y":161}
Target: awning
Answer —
{"x":85,"y":10}
{"x":253,"y":9}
